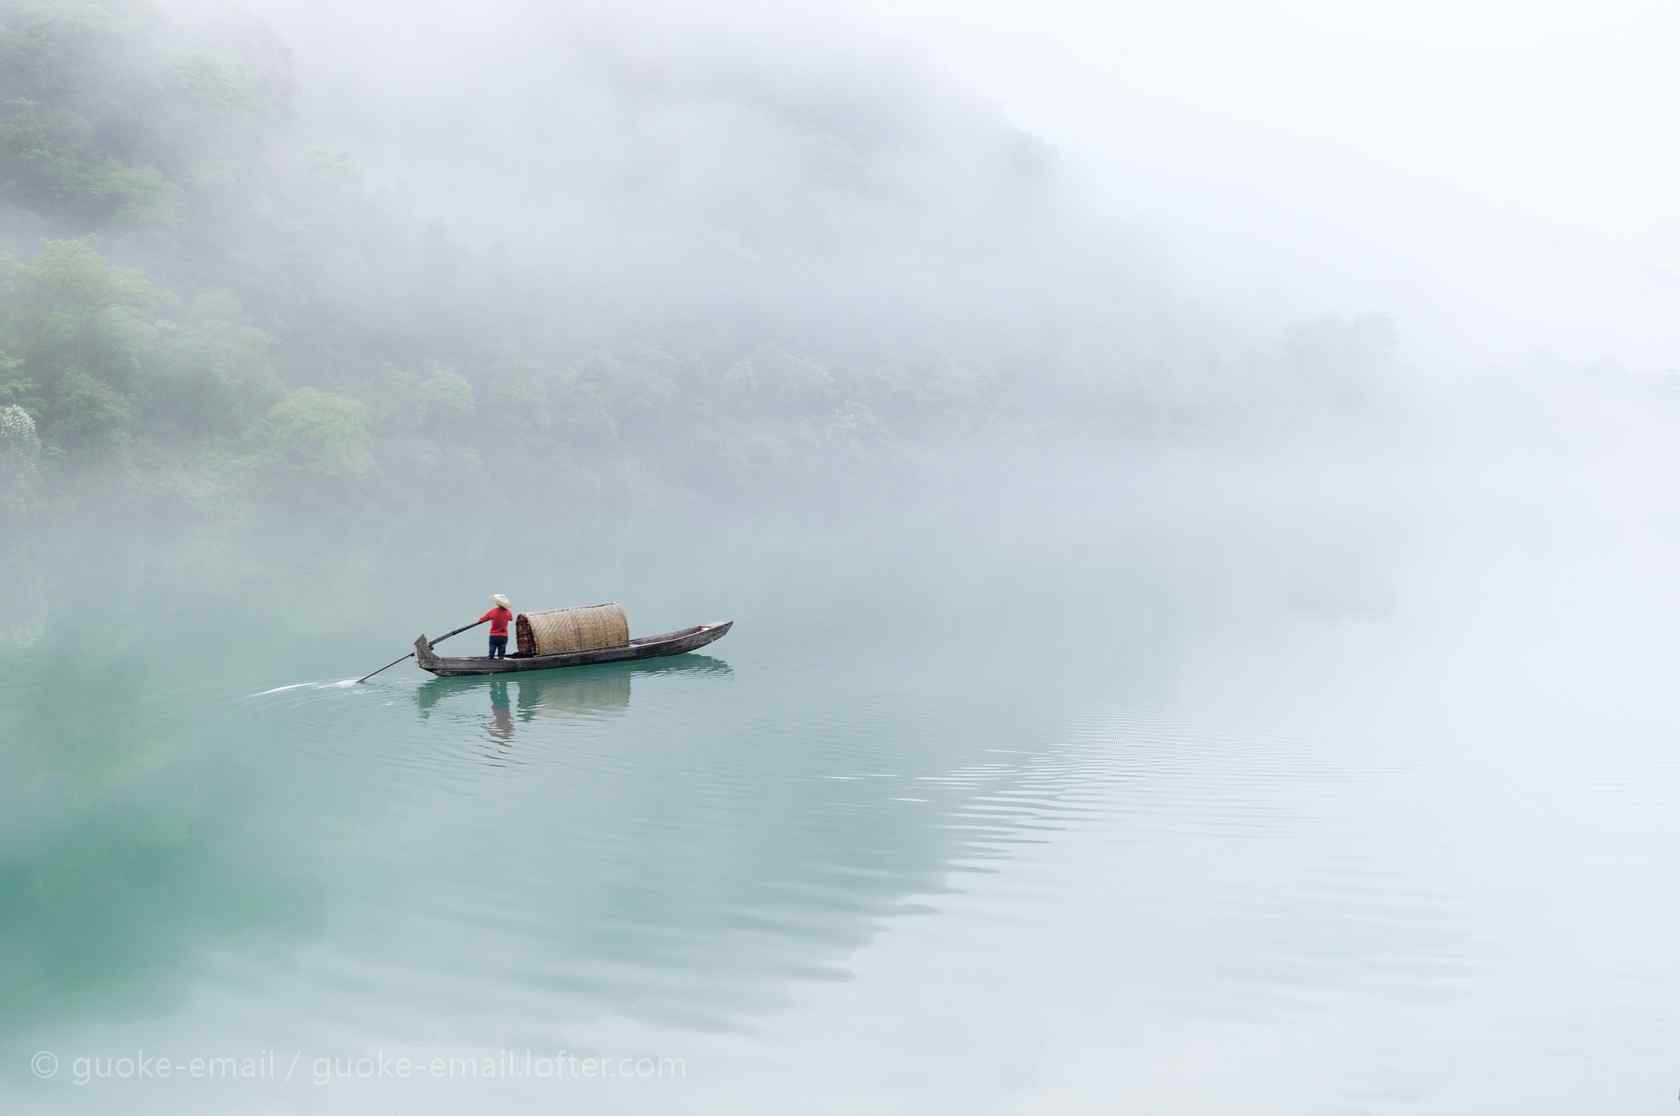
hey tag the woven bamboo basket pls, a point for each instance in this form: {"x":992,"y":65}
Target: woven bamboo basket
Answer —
{"x":560,"y":631}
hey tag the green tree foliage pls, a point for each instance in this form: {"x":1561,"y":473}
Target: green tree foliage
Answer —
{"x":50,"y":161}
{"x":212,"y":372}
{"x":108,"y":114}
{"x":299,"y":327}
{"x":76,"y":328}
{"x":15,"y":388}
{"x":93,"y":418}
{"x":446,"y":401}
{"x":439,"y":402}
{"x":100,"y":353}
{"x":317,"y":434}
{"x":427,"y":357}
{"x":20,"y":452}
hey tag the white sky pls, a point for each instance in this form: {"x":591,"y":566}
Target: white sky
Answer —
{"x":1505,"y":171}
{"x":1525,"y":103}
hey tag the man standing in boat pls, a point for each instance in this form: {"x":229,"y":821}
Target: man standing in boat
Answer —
{"x":499,"y":615}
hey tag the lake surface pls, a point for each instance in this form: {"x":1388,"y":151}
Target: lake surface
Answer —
{"x":1180,"y":789}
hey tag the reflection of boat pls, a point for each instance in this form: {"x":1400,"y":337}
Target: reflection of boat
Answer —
{"x":599,"y":689}
{"x":648,"y":647}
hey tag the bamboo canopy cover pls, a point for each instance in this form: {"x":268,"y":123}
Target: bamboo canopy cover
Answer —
{"x":561,"y":631}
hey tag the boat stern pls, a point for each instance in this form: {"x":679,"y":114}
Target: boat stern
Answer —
{"x":423,"y":657}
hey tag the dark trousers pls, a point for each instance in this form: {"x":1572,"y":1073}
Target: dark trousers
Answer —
{"x":498,"y":647}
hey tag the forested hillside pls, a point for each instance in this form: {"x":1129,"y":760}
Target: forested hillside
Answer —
{"x":204,"y":306}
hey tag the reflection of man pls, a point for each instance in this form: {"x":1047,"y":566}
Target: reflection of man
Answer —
{"x":501,"y":714}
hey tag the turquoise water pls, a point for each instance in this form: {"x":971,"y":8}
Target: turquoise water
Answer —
{"x":1203,"y":807}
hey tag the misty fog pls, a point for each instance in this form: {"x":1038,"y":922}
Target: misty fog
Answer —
{"x":1190,"y":485}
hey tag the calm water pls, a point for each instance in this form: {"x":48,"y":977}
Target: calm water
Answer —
{"x":1163,"y":805}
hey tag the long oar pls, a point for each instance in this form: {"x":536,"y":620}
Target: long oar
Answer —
{"x":429,"y":643}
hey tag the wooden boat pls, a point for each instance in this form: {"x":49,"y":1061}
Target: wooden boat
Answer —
{"x":648,"y":647}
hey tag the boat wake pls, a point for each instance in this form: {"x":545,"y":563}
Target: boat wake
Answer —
{"x":340,"y":684}
{"x":283,"y":689}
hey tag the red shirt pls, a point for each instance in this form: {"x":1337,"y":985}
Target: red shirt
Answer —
{"x":498,"y":618}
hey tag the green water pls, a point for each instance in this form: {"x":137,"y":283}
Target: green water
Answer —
{"x":1186,"y":806}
